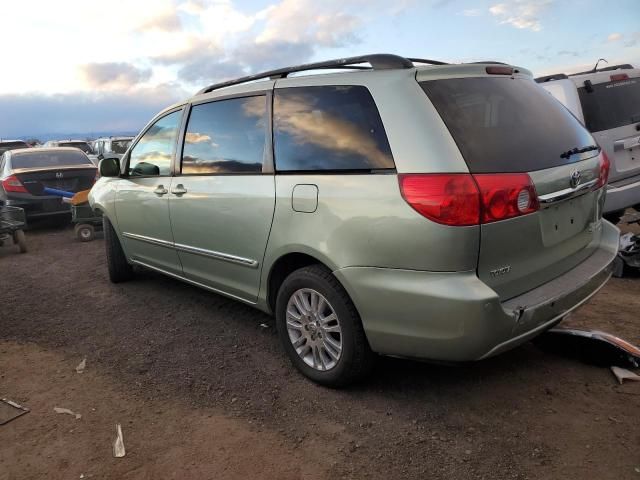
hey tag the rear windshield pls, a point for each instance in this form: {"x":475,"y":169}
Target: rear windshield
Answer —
{"x":85,"y":147}
{"x":611,"y":105}
{"x":48,"y":159}
{"x":120,"y":146}
{"x":506,"y":125}
{"x":12,"y":146}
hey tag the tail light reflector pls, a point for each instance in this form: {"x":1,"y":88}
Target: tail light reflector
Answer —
{"x":465,"y":199}
{"x":12,"y":184}
{"x":605,"y":166}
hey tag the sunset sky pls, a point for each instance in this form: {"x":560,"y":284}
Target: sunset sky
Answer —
{"x":94,"y":65}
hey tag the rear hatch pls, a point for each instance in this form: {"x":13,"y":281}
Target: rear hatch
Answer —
{"x":507,"y":124}
{"x":66,"y":170}
{"x":611,"y":108}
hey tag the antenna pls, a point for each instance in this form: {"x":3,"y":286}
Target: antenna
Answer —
{"x":595,"y":69}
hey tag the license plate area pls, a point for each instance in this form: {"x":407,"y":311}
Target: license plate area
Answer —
{"x":567,"y":219}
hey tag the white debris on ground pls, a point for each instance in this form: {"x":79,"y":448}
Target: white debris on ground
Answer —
{"x":67,"y":412}
{"x":623,"y":374}
{"x":81,"y":366}
{"x":118,"y":444}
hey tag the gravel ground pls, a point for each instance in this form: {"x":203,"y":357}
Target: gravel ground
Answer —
{"x":202,"y":390}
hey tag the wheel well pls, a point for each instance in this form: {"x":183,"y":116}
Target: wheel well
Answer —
{"x":282,"y":268}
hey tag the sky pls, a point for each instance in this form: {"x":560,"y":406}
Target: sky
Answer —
{"x":110,"y":65}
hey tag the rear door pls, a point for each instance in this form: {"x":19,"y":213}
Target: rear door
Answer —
{"x":511,"y":125}
{"x":142,"y":198}
{"x":223,"y":194}
{"x":612,"y":112}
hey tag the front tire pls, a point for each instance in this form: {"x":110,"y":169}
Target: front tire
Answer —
{"x":320,"y":328}
{"x":119,"y":269}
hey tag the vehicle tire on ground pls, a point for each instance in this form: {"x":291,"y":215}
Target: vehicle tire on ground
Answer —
{"x":20,"y":240}
{"x":119,"y":269}
{"x":320,"y":328}
{"x":85,"y":232}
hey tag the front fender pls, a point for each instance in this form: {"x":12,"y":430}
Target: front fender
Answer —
{"x":102,"y":197}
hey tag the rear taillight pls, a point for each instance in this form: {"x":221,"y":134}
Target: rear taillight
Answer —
{"x":605,"y":166}
{"x":12,"y":184}
{"x":506,"y":195}
{"x":451,"y":199}
{"x":461,"y":199}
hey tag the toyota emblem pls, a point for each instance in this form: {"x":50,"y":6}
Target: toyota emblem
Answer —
{"x":574,"y":181}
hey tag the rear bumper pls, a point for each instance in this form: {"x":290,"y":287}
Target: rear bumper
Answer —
{"x":621,"y":196}
{"x":456,"y":317}
{"x":40,"y":206}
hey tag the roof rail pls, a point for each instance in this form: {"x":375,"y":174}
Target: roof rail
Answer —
{"x":624,"y":66}
{"x":379,"y":61}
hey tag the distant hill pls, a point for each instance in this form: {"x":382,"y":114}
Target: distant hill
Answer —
{"x":76,"y":136}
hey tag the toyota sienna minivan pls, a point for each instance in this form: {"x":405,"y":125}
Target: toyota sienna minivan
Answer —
{"x":391,"y":206}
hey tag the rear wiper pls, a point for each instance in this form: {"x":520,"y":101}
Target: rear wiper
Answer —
{"x":577,"y":150}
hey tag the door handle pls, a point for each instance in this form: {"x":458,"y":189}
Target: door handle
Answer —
{"x":179,"y":190}
{"x":160,"y":190}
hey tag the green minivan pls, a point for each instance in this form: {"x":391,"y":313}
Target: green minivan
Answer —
{"x":391,"y":206}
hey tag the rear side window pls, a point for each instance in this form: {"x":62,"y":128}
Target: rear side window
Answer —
{"x":328,"y":128}
{"x":85,"y":147}
{"x":227,"y":136}
{"x":506,"y":125}
{"x":37,"y":159}
{"x":12,"y":146}
{"x":611,"y":105}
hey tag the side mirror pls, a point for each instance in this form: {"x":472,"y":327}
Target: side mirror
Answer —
{"x":109,"y":167}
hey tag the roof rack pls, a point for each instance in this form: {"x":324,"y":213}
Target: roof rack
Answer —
{"x":562,"y":76}
{"x":379,"y":61}
{"x":555,"y":76}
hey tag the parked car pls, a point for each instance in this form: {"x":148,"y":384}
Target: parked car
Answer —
{"x":27,"y":177}
{"x":111,"y":146}
{"x":81,"y":144}
{"x":412,"y":208}
{"x":11,"y":145}
{"x":607,"y":101}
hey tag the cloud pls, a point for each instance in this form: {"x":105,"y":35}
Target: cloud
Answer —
{"x":472,"y":12}
{"x":84,"y":112}
{"x":632,"y":39}
{"x":522,"y":14}
{"x":166,"y":22}
{"x":570,"y":53}
{"x":114,"y":75}
{"x":614,"y":37}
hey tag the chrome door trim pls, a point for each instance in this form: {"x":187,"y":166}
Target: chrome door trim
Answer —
{"x":192,"y":282}
{"x":247,"y":262}
{"x":151,"y":240}
{"x":566,"y":193}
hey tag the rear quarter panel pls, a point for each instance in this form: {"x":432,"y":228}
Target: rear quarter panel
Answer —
{"x":362,"y":220}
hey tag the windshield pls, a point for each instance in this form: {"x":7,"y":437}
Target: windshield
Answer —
{"x":120,"y":146}
{"x":52,"y":159}
{"x":611,"y":105}
{"x":12,"y":146}
{"x":84,"y":146}
{"x":507,"y":125}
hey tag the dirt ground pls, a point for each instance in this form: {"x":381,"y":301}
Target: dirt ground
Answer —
{"x":203,"y":391}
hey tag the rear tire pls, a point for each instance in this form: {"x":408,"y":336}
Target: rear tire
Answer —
{"x":119,"y":269}
{"x":20,"y":240}
{"x":355,"y":358}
